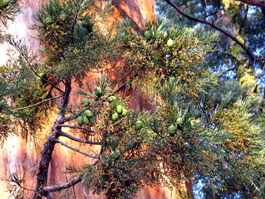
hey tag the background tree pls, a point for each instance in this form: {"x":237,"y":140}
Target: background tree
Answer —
{"x":239,"y":46}
{"x":239,"y":54}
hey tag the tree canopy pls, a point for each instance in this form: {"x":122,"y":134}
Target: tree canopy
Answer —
{"x":201,"y":125}
{"x":240,"y":24}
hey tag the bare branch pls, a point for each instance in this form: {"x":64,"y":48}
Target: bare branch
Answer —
{"x":229,"y":69}
{"x":245,"y":47}
{"x":74,"y":149}
{"x":63,"y":185}
{"x":78,"y":139}
{"x":76,"y":127}
{"x":258,"y":3}
{"x":39,"y":103}
{"x":67,"y":184}
{"x":48,"y":196}
{"x":67,"y":119}
{"x":125,"y":83}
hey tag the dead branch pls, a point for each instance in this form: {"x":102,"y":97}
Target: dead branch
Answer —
{"x":125,"y":83}
{"x":63,"y":185}
{"x":74,"y":149}
{"x":227,"y":70}
{"x":67,"y":184}
{"x":76,"y":127}
{"x":77,"y":139}
{"x":56,"y":97}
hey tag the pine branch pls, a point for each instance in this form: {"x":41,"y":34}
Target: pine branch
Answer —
{"x":77,"y":139}
{"x":245,"y":47}
{"x":23,"y":51}
{"x":46,"y":156}
{"x":30,"y":106}
{"x":74,"y":149}
{"x":67,"y":119}
{"x":76,"y":127}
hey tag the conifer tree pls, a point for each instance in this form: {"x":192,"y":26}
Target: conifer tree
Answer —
{"x":195,"y":129}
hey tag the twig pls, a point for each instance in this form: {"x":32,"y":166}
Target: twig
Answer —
{"x":227,"y":70}
{"x":245,"y":47}
{"x":76,"y":127}
{"x":38,"y":103}
{"x":74,"y":149}
{"x":77,"y":139}
{"x":48,"y":196}
{"x":125,"y":83}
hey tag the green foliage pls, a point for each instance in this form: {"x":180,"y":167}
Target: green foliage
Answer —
{"x":23,"y":90}
{"x":121,"y":169}
{"x":68,"y":32}
{"x":228,"y":115}
{"x":213,"y":136}
{"x":244,"y":22}
{"x":198,"y":126}
{"x":8,"y":9}
{"x":153,"y":58}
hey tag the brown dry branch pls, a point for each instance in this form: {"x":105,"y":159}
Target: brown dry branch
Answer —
{"x":74,"y":149}
{"x":76,"y":127}
{"x":64,"y":185}
{"x":46,"y":100}
{"x":78,"y":139}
